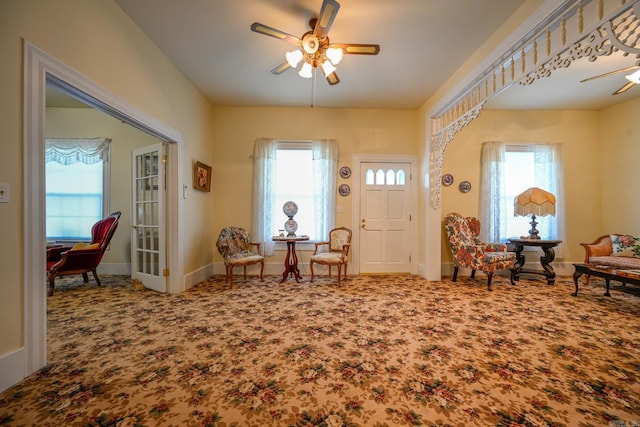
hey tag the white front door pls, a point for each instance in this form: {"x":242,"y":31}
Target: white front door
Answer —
{"x":147,"y":233}
{"x":385,"y":223}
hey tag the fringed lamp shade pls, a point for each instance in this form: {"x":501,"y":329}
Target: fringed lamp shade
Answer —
{"x":535,"y":202}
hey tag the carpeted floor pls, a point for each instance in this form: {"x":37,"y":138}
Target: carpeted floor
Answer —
{"x":377,"y":351}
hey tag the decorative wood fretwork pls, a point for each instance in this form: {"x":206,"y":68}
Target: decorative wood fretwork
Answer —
{"x":611,"y":25}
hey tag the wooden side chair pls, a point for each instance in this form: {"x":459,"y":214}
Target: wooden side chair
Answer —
{"x":337,"y":254}
{"x":237,"y":251}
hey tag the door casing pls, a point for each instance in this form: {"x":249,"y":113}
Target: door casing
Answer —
{"x":356,"y":191}
{"x":40,"y":69}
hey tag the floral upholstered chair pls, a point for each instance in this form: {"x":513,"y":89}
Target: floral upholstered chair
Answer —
{"x":337,"y":253}
{"x":469,"y":252}
{"x":236,"y":250}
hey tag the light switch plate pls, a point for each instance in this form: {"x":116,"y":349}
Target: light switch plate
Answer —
{"x":4,"y":192}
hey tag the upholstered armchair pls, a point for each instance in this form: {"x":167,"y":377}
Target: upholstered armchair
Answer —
{"x":336,"y":254}
{"x":237,"y":251}
{"x":469,"y":252}
{"x":83,"y":257}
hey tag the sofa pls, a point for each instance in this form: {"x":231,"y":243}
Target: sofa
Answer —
{"x":613,"y":250}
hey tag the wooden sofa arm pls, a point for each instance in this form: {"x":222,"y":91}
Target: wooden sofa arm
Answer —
{"x":600,"y":247}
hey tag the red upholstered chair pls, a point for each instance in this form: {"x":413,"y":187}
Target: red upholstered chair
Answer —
{"x":82,"y":258}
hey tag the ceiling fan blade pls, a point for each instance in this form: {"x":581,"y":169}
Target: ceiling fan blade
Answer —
{"x":624,"y":88}
{"x":358,"y":49}
{"x":281,"y":68}
{"x":257,"y":27}
{"x":333,"y":79}
{"x":622,"y":70}
{"x":328,"y":13}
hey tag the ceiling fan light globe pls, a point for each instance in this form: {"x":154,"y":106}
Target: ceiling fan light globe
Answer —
{"x":634,"y":77}
{"x":305,"y":71}
{"x":294,"y":57}
{"x":327,"y":68}
{"x":335,"y":55}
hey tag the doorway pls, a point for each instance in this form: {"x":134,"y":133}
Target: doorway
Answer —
{"x":41,"y":69}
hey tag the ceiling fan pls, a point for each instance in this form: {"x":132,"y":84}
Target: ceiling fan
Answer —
{"x":634,"y":78}
{"x":314,"y":48}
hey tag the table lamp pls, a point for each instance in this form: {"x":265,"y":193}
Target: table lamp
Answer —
{"x":535,"y":202}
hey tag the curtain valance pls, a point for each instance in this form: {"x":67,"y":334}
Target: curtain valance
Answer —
{"x":68,"y":151}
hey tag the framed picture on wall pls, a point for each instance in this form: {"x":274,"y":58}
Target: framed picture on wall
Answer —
{"x":201,"y":177}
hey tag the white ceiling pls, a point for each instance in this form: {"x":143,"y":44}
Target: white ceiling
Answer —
{"x":423,"y":42}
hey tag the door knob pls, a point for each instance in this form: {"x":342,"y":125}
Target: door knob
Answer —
{"x":363,"y":225}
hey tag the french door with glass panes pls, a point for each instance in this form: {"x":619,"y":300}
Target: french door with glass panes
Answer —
{"x":147,"y":233}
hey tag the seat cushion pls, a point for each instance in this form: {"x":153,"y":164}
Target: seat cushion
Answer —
{"x":615,"y":261}
{"x":329,"y":258}
{"x":244,"y":258}
{"x":491,"y":257}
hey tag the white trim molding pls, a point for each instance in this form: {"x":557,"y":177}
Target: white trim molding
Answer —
{"x":39,"y":70}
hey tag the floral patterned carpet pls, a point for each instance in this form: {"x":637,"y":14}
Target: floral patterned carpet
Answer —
{"x":376,"y":351}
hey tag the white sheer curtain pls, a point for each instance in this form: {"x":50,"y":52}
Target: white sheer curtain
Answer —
{"x":325,"y":169}
{"x":325,"y":166}
{"x":264,"y":163}
{"x":492,"y":207}
{"x":549,"y":175}
{"x":67,"y":151}
{"x":549,"y":170}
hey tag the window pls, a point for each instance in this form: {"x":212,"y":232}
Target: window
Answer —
{"x":294,"y":181}
{"x":510,"y":169}
{"x":304,"y":172}
{"x":76,"y":173}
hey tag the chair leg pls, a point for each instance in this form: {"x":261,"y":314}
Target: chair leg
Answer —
{"x":489,"y":277}
{"x":85,"y":277}
{"x":95,"y":276}
{"x":261,"y":270}
{"x":473,"y":274}
{"x":229,"y":274}
{"x":455,"y":274}
{"x":512,"y":276}
{"x":52,"y":278}
{"x":339,"y":270}
{"x":311,"y":268}
{"x":586,"y":279}
{"x":245,"y":272}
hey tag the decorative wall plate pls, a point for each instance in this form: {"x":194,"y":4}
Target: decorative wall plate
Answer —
{"x":344,"y":190}
{"x":447,"y":179}
{"x":345,"y":172}
{"x":465,"y":186}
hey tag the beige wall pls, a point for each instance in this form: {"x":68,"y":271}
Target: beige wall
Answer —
{"x":357,"y":131}
{"x":96,"y":39}
{"x":620,"y":173}
{"x":90,"y":123}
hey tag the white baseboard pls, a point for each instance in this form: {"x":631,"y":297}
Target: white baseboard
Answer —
{"x":197,"y":276}
{"x":12,"y":368}
{"x":121,"y":268}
